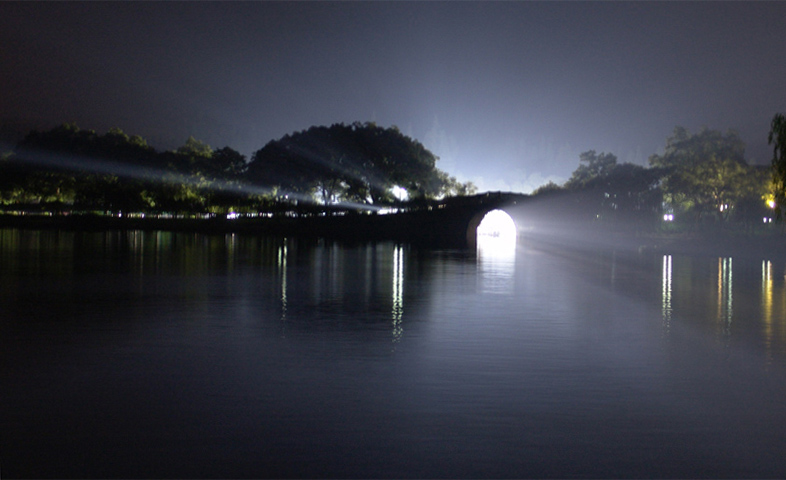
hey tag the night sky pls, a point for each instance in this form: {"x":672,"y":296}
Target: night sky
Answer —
{"x":507,"y":94}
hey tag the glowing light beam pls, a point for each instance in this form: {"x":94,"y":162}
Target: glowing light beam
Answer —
{"x":86,"y":164}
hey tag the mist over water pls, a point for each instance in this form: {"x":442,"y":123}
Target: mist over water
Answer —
{"x":154,"y":354}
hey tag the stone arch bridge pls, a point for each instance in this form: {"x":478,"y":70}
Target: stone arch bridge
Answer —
{"x":450,"y":223}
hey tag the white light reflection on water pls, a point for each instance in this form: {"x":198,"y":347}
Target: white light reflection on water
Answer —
{"x":398,"y":292}
{"x":496,"y":249}
{"x":666,"y":307}
{"x":185,"y":360}
{"x":282,"y":272}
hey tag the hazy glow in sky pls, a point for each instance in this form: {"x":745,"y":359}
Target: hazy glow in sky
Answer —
{"x":507,"y":94}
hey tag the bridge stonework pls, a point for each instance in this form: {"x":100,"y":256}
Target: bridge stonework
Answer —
{"x":466,"y":213}
{"x":451,"y":223}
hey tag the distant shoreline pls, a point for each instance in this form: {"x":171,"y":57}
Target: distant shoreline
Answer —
{"x":409,"y":227}
{"x":764,"y":247}
{"x":770,"y":245}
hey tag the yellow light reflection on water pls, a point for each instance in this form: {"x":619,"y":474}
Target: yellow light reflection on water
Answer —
{"x":725,"y":297}
{"x":766,"y":304}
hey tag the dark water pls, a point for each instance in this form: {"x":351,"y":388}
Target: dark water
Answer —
{"x":182,"y":355}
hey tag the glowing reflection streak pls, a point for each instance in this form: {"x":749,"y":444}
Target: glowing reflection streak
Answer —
{"x":666,"y":293}
{"x":162,"y":176}
{"x":368,"y":272}
{"x":766,"y":305}
{"x":282,"y":269}
{"x":231,"y":242}
{"x":725,"y":305}
{"x":136,"y":242}
{"x":317,"y":272}
{"x":496,"y":249}
{"x":398,"y":292}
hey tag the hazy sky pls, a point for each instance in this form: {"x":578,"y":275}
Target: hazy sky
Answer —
{"x":507,"y":94}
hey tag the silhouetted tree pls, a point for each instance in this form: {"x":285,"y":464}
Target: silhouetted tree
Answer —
{"x":754,"y":190}
{"x":359,"y":162}
{"x":777,"y":138}
{"x":702,"y":172}
{"x":70,"y":165}
{"x":228,"y":163}
{"x":546,"y":189}
{"x":592,"y":166}
{"x":605,"y":190}
{"x":451,"y":187}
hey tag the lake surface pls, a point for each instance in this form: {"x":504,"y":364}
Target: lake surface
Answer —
{"x":154,"y":354}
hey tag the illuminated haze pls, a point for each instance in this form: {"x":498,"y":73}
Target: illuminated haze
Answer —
{"x":507,"y":94}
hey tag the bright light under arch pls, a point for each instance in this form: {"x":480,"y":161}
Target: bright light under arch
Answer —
{"x":497,"y":224}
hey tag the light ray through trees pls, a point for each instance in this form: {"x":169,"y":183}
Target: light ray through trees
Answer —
{"x":91,"y":165}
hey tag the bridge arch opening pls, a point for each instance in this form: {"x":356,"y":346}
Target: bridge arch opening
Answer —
{"x":496,"y":251}
{"x":494,"y":226}
{"x":497,"y":224}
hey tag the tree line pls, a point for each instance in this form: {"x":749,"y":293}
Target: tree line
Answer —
{"x":701,"y":178}
{"x":81,"y":170}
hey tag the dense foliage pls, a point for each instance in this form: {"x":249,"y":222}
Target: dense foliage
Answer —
{"x":68,"y":167}
{"x":357,"y":162}
{"x":700,"y":178}
{"x":777,"y":138}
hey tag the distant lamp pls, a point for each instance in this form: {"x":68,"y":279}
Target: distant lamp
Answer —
{"x":771,"y":203}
